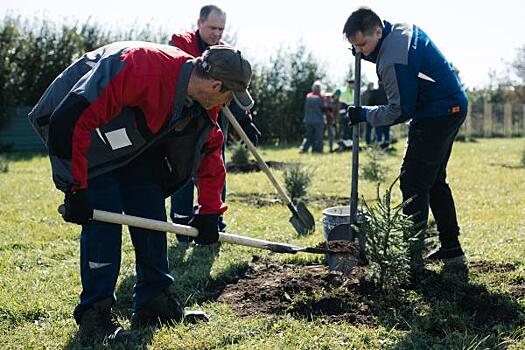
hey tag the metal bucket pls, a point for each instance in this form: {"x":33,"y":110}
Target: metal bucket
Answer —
{"x":336,"y":225}
{"x":333,"y":217}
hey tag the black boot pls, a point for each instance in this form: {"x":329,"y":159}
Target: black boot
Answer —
{"x":163,"y":309}
{"x":449,"y":256}
{"x":98,"y":323}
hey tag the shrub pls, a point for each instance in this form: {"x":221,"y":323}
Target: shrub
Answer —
{"x":240,"y":155}
{"x":297,"y":180}
{"x":523,"y":157}
{"x":392,"y":247}
{"x":4,"y":165}
{"x":374,"y":171}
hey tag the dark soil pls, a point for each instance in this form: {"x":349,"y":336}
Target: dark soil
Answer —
{"x":302,"y":291}
{"x":518,"y":291}
{"x":315,"y":292}
{"x":487,"y":266}
{"x":267,"y":199}
{"x":340,"y":247}
{"x":253,"y":166}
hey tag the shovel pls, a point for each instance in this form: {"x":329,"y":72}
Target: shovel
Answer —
{"x":355,"y":156}
{"x":302,"y":220}
{"x":163,"y":226}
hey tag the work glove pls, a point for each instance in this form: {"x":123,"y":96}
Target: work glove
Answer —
{"x":355,"y":115}
{"x":250,"y":129}
{"x":208,"y":227}
{"x":77,"y":207}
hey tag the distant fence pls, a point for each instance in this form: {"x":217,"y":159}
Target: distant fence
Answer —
{"x":487,"y":120}
{"x":483,"y":120}
{"x":16,"y":134}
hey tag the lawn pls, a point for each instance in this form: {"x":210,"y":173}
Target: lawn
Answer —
{"x":40,"y":284}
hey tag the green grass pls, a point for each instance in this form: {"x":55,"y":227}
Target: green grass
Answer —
{"x":40,"y":283}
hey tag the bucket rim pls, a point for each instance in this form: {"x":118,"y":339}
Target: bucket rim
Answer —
{"x":326,"y":211}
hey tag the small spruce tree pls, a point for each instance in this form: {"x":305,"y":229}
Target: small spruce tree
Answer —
{"x":240,"y":155}
{"x":374,"y":171}
{"x":297,"y":180}
{"x":4,"y":165}
{"x":393,"y":249}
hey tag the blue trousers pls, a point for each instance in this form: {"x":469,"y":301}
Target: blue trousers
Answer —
{"x":424,"y":173}
{"x":134,"y":190}
{"x":313,"y":137}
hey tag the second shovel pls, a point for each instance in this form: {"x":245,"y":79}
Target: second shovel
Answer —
{"x":302,"y":220}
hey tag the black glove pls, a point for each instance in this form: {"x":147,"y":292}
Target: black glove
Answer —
{"x":208,"y":226}
{"x":77,"y":208}
{"x":250,"y":129}
{"x":354,"y":113}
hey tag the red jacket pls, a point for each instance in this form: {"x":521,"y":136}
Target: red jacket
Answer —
{"x":188,"y":43}
{"x":123,"y":76}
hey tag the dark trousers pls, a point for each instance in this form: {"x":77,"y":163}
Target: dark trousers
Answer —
{"x":382,"y":135}
{"x":182,"y":202}
{"x":424,"y":173}
{"x":134,"y":190}
{"x":313,"y":137}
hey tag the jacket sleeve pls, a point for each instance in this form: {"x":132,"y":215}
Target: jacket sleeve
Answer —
{"x":211,"y":175}
{"x":400,"y":86}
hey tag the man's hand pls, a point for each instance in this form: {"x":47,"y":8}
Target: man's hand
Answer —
{"x":208,"y":227}
{"x":354,"y":113}
{"x":250,"y":129}
{"x":77,"y":208}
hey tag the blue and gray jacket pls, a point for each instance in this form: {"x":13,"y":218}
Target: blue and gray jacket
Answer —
{"x":418,"y":80}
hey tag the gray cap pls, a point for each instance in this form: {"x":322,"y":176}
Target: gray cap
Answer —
{"x":224,"y":63}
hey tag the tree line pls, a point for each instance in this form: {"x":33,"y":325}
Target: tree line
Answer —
{"x":34,"y":52}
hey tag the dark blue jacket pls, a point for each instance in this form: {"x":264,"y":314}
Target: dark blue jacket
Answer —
{"x":418,"y":80}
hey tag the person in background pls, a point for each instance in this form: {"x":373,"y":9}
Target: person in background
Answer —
{"x":210,"y":28}
{"x":367,"y":100}
{"x":332,"y":113}
{"x":314,"y":120}
{"x":382,"y":133}
{"x":346,"y":100}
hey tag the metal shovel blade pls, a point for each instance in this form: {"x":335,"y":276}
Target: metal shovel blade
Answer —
{"x":302,"y":220}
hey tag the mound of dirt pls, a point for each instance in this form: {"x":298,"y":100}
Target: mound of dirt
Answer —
{"x":315,"y":292}
{"x":302,"y":291}
{"x":340,"y":247}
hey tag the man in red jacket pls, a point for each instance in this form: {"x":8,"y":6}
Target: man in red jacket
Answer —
{"x":108,"y":121}
{"x":210,"y":27}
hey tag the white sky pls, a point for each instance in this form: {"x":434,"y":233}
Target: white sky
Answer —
{"x":476,"y":36}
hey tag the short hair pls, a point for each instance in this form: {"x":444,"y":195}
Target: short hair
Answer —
{"x":201,"y":73}
{"x":316,"y":86}
{"x":206,"y":10}
{"x":362,"y":20}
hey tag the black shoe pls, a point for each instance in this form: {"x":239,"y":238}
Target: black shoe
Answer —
{"x":449,"y":256}
{"x":163,"y":309}
{"x":98,"y":323}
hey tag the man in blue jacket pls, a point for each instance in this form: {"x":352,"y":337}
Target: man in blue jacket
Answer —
{"x":421,"y":86}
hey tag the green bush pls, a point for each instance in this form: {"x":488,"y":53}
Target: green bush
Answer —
{"x":4,"y":165}
{"x":240,"y":155}
{"x":374,"y":170}
{"x":392,"y":248}
{"x":297,"y":180}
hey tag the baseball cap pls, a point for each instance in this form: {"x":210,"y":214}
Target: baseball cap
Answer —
{"x":224,"y":63}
